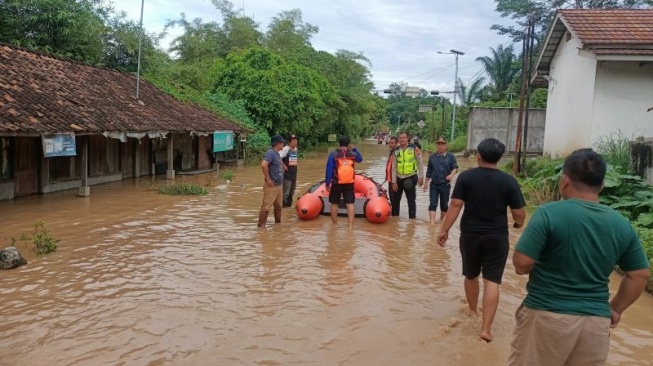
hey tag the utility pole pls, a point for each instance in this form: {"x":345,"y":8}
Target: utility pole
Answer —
{"x":140,"y":44}
{"x":524,"y":75}
{"x":530,"y":44}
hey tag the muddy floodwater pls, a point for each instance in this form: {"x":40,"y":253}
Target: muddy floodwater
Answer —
{"x":146,"y":279}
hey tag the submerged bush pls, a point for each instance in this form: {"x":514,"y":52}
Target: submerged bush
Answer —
{"x":183,"y":189}
{"x":227,"y":174}
{"x":39,"y":240}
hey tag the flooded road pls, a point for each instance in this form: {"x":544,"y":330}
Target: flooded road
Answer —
{"x":145,"y":279}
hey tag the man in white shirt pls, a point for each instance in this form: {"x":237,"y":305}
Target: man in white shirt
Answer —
{"x":289,"y":156}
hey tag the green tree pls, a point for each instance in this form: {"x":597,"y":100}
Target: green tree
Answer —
{"x":288,"y":34}
{"x":241,"y":32}
{"x":472,"y":93}
{"x":121,"y":47}
{"x":199,"y":42}
{"x":69,"y":28}
{"x":501,"y":68}
{"x":544,"y":11}
{"x":280,"y":95}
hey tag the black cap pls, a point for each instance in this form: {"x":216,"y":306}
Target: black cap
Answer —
{"x":293,"y":137}
{"x":276,"y":139}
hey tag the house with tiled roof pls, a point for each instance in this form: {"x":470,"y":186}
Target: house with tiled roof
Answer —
{"x":598,"y":67}
{"x":68,"y":125}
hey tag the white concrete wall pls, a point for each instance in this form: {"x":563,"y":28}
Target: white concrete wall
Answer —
{"x":570,"y":100}
{"x":622,"y":93}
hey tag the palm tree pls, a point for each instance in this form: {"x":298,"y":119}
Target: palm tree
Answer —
{"x":470,"y":94}
{"x":500,"y":68}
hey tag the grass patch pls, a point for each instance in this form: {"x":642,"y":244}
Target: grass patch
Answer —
{"x":615,"y":149}
{"x":183,"y":189}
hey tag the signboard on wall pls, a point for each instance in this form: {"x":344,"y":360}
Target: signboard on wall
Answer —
{"x":223,"y":141}
{"x":333,"y":137}
{"x":59,"y":144}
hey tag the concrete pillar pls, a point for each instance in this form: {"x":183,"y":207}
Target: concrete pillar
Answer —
{"x":137,"y":159}
{"x":45,"y":174}
{"x":170,"y":173}
{"x":84,"y":189}
{"x":153,"y":144}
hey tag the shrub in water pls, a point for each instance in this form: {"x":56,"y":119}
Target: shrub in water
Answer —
{"x":39,"y":240}
{"x":179,"y":189}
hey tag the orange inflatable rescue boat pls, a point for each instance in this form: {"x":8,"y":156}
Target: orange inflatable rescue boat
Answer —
{"x":371,"y":201}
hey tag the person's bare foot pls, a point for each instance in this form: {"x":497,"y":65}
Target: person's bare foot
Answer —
{"x":486,"y":336}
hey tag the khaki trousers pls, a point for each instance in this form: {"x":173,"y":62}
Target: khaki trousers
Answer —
{"x":272,"y":197}
{"x":543,"y":338}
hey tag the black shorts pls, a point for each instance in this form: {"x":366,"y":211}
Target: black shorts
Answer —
{"x":485,"y":253}
{"x":344,"y":190}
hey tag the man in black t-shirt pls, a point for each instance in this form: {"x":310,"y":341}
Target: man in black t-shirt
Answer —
{"x":486,"y":192}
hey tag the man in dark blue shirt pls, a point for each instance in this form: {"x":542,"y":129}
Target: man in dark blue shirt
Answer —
{"x":441,"y":168}
{"x":273,"y":169}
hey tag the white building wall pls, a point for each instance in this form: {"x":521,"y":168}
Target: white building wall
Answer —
{"x":570,"y":100}
{"x":622,"y":94}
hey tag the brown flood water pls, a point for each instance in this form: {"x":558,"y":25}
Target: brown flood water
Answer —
{"x":146,"y":279}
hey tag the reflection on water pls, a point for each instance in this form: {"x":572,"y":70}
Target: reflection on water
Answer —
{"x":145,"y":279}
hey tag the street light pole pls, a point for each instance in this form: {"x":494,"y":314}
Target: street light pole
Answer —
{"x":455,"y":93}
{"x":455,"y":89}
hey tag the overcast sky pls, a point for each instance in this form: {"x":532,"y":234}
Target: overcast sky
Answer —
{"x":400,"y":37}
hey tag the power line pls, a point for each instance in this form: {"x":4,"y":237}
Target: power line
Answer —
{"x":440,"y":72}
{"x":425,"y":73}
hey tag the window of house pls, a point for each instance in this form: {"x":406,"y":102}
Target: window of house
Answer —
{"x":6,"y":169}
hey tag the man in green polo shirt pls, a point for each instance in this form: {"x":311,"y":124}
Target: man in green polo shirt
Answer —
{"x":569,"y":250}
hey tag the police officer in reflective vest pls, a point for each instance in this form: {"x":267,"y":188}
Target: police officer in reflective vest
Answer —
{"x":407,"y":173}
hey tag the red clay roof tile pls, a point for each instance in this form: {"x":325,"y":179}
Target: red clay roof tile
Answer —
{"x":42,"y":94}
{"x":600,"y":27}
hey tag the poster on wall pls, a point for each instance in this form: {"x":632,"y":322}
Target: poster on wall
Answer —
{"x":59,"y":144}
{"x":223,"y":141}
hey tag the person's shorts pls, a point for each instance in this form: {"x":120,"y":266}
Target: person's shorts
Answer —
{"x":484,"y":253}
{"x":346,"y":191}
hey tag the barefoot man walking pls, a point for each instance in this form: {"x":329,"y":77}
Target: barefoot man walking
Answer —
{"x":485,"y":192}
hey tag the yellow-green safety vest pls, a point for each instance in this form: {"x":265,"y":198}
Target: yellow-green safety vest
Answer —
{"x":406,"y":161}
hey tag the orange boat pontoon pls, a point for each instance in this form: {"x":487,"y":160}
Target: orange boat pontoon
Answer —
{"x":371,"y":201}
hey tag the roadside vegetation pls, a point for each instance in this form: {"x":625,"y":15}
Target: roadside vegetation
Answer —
{"x":624,"y":191}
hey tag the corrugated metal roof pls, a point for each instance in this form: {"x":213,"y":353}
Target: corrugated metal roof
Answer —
{"x":46,"y":94}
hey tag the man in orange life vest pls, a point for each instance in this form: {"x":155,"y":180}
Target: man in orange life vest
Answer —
{"x":339,"y":178}
{"x":392,"y":145}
